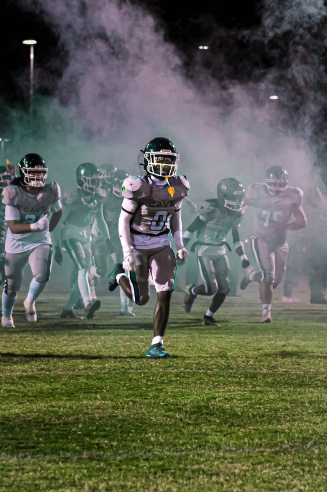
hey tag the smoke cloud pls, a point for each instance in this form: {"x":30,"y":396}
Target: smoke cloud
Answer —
{"x":123,"y":84}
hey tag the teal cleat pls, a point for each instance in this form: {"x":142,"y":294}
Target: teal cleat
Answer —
{"x":111,"y":280}
{"x":157,"y":351}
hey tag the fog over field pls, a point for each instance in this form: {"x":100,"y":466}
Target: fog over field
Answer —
{"x":123,"y":84}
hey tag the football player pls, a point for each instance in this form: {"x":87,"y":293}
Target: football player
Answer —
{"x":101,"y":250}
{"x":150,"y":209}
{"x":80,"y":208}
{"x":29,"y":199}
{"x":7,"y":174}
{"x":217,"y":217}
{"x":275,"y":203}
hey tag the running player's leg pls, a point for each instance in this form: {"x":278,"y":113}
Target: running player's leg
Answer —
{"x":162,"y":264}
{"x":266,"y":256}
{"x":221,"y":267}
{"x":40,"y":261}
{"x":14,"y":271}
{"x":134,"y":284}
{"x":281,"y":256}
{"x":207,"y":288}
{"x":80,"y":254}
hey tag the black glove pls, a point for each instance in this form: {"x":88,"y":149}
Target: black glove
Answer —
{"x":58,"y":255}
{"x":245,"y":263}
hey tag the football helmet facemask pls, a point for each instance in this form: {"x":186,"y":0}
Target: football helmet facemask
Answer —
{"x":5,"y":177}
{"x":160,"y":157}
{"x":276,"y":180}
{"x":89,"y":178}
{"x":117,"y":180}
{"x":107,"y":170}
{"x":230,"y":194}
{"x":33,"y":170}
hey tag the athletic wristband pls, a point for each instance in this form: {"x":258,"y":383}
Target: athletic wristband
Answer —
{"x":243,"y":257}
{"x":238,"y":244}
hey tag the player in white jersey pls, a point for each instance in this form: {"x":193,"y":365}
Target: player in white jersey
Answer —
{"x":29,"y":199}
{"x":275,"y":203}
{"x":150,"y":209}
{"x":81,"y":207}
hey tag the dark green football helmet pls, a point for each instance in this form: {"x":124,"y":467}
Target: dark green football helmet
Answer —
{"x":5,"y":177}
{"x":33,"y":170}
{"x":230,"y":193}
{"x":89,"y":177}
{"x":107,"y":170}
{"x":160,"y":157}
{"x":276,"y":180}
{"x":117,"y":180}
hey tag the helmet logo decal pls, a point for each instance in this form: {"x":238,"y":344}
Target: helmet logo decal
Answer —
{"x":123,"y":189}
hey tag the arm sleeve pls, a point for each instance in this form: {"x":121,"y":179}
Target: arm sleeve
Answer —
{"x":12,"y":213}
{"x":176,"y":229}
{"x":101,"y":224}
{"x":124,"y":230}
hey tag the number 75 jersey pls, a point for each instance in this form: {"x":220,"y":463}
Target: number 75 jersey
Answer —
{"x":270,"y":209}
{"x":151,"y":204}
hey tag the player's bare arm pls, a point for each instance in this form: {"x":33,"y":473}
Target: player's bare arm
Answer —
{"x":55,"y":218}
{"x":239,"y":247}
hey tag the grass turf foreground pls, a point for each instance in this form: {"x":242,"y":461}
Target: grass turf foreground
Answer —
{"x":237,"y":408}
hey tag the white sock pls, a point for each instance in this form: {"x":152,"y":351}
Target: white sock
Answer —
{"x":157,"y":340}
{"x":252,"y":275}
{"x":8,"y":303}
{"x":83,"y":284}
{"x":192,"y":290}
{"x":35,"y":289}
{"x":266,"y":307}
{"x":119,"y":276}
{"x":209,"y":313}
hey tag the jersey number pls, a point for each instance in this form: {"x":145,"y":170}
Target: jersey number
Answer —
{"x":159,"y":220}
{"x":32,"y":218}
{"x":267,"y":215}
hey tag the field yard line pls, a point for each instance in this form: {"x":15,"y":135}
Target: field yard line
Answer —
{"x":87,"y":372}
{"x":145,"y":453}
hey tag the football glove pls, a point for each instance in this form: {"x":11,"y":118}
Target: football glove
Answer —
{"x":129,"y":262}
{"x":182,"y":254}
{"x":41,"y":224}
{"x":58,"y":255}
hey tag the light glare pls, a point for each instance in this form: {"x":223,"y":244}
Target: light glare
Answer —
{"x":203,"y":47}
{"x":29,"y":42}
{"x":274,"y":97}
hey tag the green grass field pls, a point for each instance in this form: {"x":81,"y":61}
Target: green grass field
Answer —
{"x":237,"y":408}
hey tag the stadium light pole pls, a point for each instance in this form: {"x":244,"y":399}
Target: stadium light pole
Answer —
{"x":31,"y":43}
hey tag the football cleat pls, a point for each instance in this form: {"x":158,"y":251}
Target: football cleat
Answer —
{"x":246,"y":280}
{"x":189,"y":298}
{"x":69,"y":313}
{"x":7,"y":321}
{"x":112,"y":283}
{"x":30,"y":312}
{"x":126,"y":312}
{"x":210,"y":321}
{"x":266,"y":317}
{"x":92,"y":307}
{"x":157,"y":351}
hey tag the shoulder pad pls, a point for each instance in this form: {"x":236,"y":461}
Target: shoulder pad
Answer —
{"x":70,"y":197}
{"x":207,"y":206}
{"x":134,"y":187}
{"x":55,"y":188}
{"x":10,"y":195}
{"x":298,"y":195}
{"x":184,"y":181}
